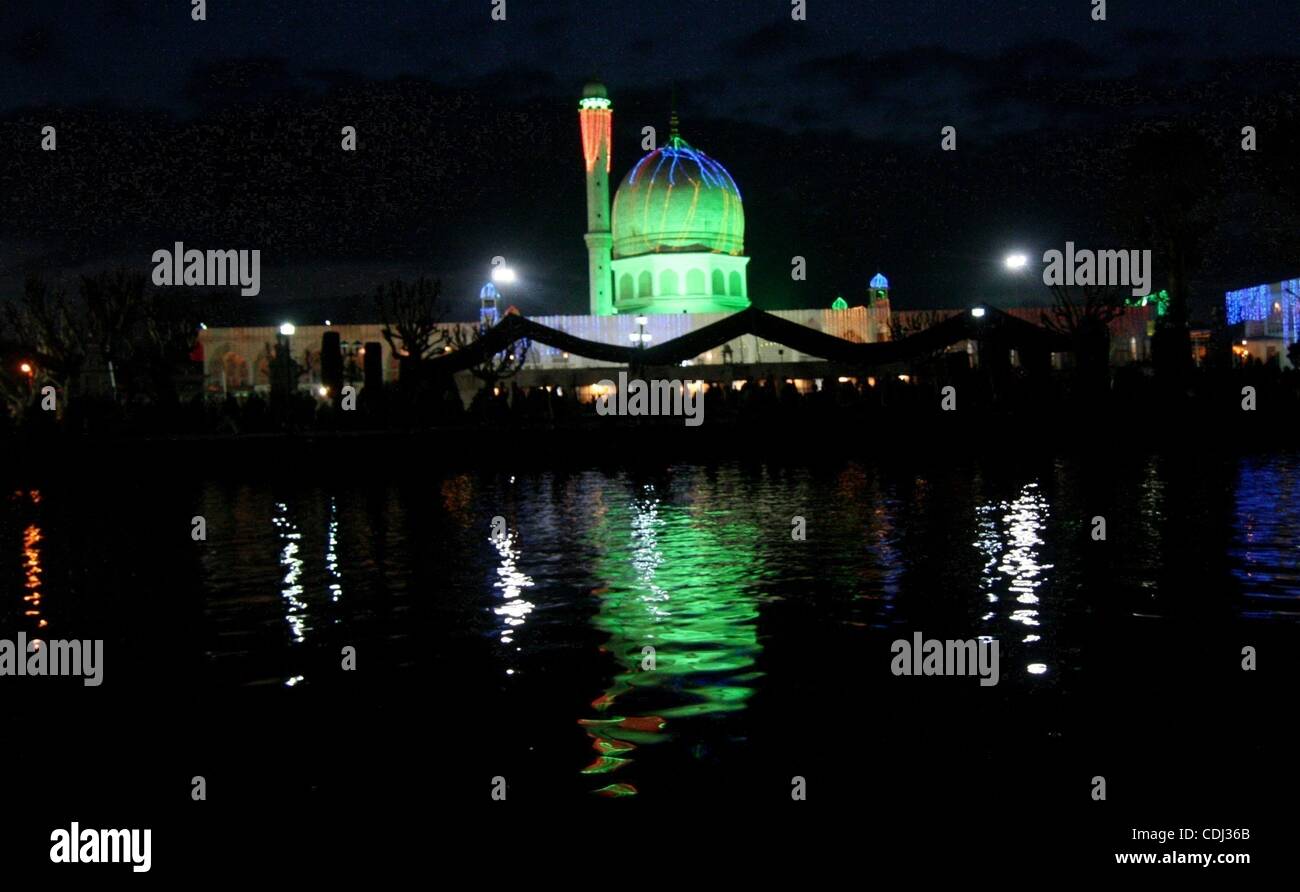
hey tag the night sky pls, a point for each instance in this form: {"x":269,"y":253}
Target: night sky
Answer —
{"x":225,"y":134}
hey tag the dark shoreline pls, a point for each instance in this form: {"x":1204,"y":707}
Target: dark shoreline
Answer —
{"x":615,"y":443}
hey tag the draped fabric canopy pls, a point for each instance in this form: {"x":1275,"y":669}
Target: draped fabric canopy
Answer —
{"x":993,"y":325}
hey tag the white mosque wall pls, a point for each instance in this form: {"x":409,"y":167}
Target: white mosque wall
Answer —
{"x":861,"y":324}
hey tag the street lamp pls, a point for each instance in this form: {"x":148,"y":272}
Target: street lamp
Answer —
{"x":641,"y":336}
{"x":1016,"y":262}
{"x":504,"y":275}
{"x":286,"y":357}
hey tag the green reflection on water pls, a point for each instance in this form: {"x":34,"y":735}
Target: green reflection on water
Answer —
{"x":678,"y":580}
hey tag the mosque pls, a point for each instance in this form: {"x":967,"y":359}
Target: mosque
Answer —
{"x":666,"y":260}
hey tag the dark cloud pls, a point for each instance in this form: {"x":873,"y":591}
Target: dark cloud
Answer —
{"x":517,"y":82}
{"x":236,"y":82}
{"x":550,"y":27}
{"x":36,"y":46}
{"x":770,"y":41}
{"x":1153,"y":39}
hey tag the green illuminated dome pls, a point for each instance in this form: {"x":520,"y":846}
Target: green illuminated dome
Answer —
{"x":676,"y":200}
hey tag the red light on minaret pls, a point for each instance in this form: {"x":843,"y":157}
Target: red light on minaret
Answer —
{"x":597,"y":130}
{"x":596,"y":116}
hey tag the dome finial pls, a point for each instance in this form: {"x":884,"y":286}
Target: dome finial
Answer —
{"x":673,"y":132}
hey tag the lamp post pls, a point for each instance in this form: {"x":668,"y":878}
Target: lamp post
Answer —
{"x":286,"y":358}
{"x":641,"y":337}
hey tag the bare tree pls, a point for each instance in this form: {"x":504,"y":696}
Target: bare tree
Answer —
{"x":114,"y":301}
{"x":170,"y":331}
{"x":412,"y":314}
{"x":494,"y":368}
{"x":1082,"y":309}
{"x":44,"y":324}
{"x":1083,"y":314}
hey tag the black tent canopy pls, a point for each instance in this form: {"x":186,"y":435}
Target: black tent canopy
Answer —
{"x":991,"y":325}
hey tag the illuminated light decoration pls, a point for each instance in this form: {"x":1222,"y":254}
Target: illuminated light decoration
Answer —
{"x":678,"y":199}
{"x":879,"y":287}
{"x":616,"y":791}
{"x":597,"y":135}
{"x":678,"y":227}
{"x":595,"y":115}
{"x":1249,"y":304}
{"x":1262,"y":303}
{"x":489,"y":313}
{"x":607,"y":747}
{"x":839,"y":304}
{"x":605,"y":764}
{"x":1160,"y":299}
{"x":662,"y":584}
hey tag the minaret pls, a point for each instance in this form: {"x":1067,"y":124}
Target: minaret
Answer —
{"x":597,"y":128}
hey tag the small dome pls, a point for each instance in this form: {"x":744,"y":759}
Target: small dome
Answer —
{"x":879,"y":281}
{"x":489,"y":292}
{"x":678,"y":199}
{"x":594,"y":90}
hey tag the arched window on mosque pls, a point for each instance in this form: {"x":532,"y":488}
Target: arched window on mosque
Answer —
{"x":645,"y":284}
{"x":735,"y":285}
{"x":695,"y":281}
{"x":719,"y":282}
{"x":625,"y":287}
{"x":668,"y":282}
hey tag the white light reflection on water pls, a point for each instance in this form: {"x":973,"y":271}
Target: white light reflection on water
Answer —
{"x":332,"y":552}
{"x":511,"y":581}
{"x":1008,"y":534}
{"x":291,"y":585}
{"x":646,"y":555}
